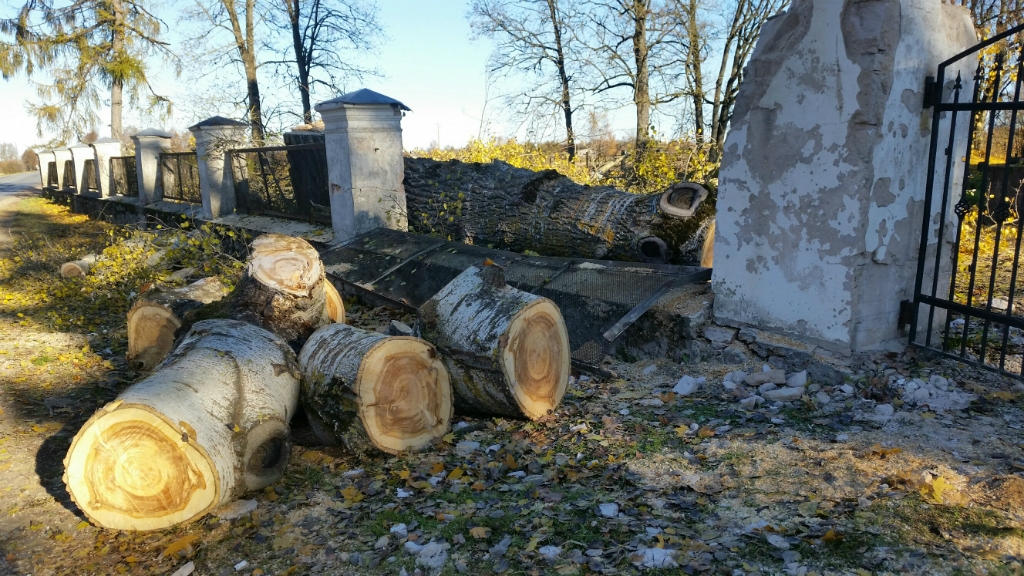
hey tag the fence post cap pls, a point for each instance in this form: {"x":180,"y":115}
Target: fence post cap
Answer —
{"x":152,"y":133}
{"x":217,"y":122}
{"x":363,"y":97}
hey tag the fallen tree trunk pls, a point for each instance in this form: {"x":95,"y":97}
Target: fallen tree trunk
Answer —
{"x":160,"y":314}
{"x":507,"y":350}
{"x":284,"y":289}
{"x":209,"y":425}
{"x":516,"y":209}
{"x":365,"y":390}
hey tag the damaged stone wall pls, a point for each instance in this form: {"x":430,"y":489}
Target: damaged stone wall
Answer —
{"x":824,"y":169}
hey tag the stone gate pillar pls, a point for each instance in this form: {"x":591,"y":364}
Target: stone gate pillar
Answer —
{"x":44,"y":157}
{"x":214,"y":137}
{"x":363,"y":134}
{"x":149,"y":144}
{"x":823,"y":172}
{"x":105,"y":149}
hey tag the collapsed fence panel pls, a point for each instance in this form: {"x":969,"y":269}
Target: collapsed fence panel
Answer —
{"x":594,"y":296}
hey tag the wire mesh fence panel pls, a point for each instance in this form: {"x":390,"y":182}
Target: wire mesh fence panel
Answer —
{"x":284,"y":181}
{"x":593,"y":296}
{"x":968,"y":300}
{"x":90,"y":179}
{"x":123,"y":178}
{"x":69,"y":175}
{"x":179,"y":177}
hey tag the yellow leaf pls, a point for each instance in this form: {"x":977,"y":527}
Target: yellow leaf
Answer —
{"x":403,"y":474}
{"x":884,"y":452}
{"x":479,"y":532}
{"x":532,"y":545}
{"x":437,"y":468}
{"x":352,"y":493}
{"x":682,"y":430}
{"x":131,"y":559}
{"x":456,"y":474}
{"x":705,"y":432}
{"x":668,"y":397}
{"x":448,"y":438}
{"x":183,"y":544}
{"x":478,"y":487}
{"x":510,"y":461}
{"x":81,"y":525}
{"x":831,"y":536}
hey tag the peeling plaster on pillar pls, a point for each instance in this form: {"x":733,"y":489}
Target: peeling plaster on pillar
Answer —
{"x":149,"y":145}
{"x":823,"y":172}
{"x":214,"y":137}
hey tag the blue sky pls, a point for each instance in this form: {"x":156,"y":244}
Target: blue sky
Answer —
{"x":430,"y":63}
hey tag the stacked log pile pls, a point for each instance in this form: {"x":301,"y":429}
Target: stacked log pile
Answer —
{"x":212,"y":419}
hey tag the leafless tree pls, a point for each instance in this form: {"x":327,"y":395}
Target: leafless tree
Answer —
{"x":735,"y":30}
{"x":326,"y":38}
{"x":239,"y":18}
{"x":636,"y":45}
{"x":535,"y":37}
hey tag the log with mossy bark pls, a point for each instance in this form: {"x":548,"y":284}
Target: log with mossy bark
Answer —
{"x":208,"y":425}
{"x":507,"y":350}
{"x":160,"y":314}
{"x":498,"y":205}
{"x":366,"y":391}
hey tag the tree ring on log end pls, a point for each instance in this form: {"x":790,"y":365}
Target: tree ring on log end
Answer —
{"x":136,"y":473}
{"x":405,"y":397}
{"x":267,"y":451}
{"x":682,"y":199}
{"x":652,"y":249}
{"x":536,"y":360}
{"x":286,"y":264}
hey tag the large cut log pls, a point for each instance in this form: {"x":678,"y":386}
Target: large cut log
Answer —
{"x":365,"y":390}
{"x":285,"y":289}
{"x":516,"y":209}
{"x":160,"y":314}
{"x":507,"y":350}
{"x":210,"y":424}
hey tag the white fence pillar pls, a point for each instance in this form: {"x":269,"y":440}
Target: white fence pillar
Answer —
{"x":214,"y":137}
{"x":61,"y":156}
{"x":104,"y":149}
{"x":149,"y":144}
{"x":45,"y":157}
{"x":79,"y":154}
{"x":363,"y":135}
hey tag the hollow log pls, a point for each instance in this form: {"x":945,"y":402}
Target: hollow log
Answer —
{"x":284,"y":289}
{"x":210,"y":424}
{"x":365,"y":390}
{"x":516,"y":209}
{"x":78,"y":267}
{"x":161,"y":314}
{"x":507,"y":350}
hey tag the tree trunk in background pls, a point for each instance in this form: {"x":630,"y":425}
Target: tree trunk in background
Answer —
{"x":117,"y":84}
{"x":518,"y":209}
{"x":301,"y":59}
{"x":246,"y":44}
{"x":563,"y":78}
{"x":210,"y":425}
{"x":641,"y":89}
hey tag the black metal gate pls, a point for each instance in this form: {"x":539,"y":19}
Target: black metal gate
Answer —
{"x":968,"y":303}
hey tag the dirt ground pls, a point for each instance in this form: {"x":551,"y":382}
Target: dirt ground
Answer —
{"x":626,"y":477}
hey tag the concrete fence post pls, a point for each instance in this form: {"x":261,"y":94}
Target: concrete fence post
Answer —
{"x":45,"y":157}
{"x":363,"y":136}
{"x":61,"y":156}
{"x":104,"y":149}
{"x":149,"y":144}
{"x":79,"y":154}
{"x":214,"y":137}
